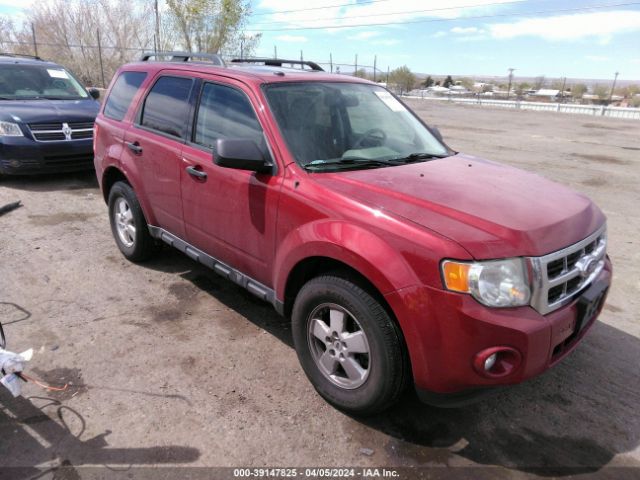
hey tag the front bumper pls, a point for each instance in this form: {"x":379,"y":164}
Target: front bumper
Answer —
{"x":22,"y":155}
{"x":444,"y":331}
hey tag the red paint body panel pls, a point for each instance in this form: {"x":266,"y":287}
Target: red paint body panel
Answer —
{"x":393,"y":225}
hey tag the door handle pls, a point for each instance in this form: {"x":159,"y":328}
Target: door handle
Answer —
{"x":135,"y":147}
{"x":193,"y":171}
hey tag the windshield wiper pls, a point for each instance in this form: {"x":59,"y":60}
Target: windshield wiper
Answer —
{"x":349,"y":162}
{"x":51,"y":97}
{"x":415,"y":157}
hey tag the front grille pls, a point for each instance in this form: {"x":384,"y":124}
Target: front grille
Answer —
{"x":55,"y":132}
{"x":49,"y":137}
{"x":36,"y":127}
{"x":560,"y":275}
{"x":80,"y":125}
{"x":81,"y":135}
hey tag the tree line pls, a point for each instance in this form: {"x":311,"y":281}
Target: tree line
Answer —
{"x":94,"y":37}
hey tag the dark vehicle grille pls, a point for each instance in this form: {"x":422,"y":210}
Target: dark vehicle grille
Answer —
{"x":66,"y":160}
{"x":54,"y":132}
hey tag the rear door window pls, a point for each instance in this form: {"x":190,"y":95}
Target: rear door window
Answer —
{"x":122,"y":93}
{"x":166,"y":107}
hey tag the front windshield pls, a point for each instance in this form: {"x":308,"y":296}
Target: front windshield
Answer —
{"x":19,"y":81}
{"x":330,"y":125}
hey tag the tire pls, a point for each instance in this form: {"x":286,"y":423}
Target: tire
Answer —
{"x":128,"y":225}
{"x":330,"y":358}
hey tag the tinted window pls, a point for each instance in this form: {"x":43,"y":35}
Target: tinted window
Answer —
{"x":23,"y":82}
{"x":122,"y":93}
{"x":225,"y":112}
{"x":167,"y":106}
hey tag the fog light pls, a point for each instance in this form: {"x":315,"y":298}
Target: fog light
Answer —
{"x":495,"y":362}
{"x":490,"y":361}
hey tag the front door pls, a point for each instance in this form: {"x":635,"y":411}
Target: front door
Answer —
{"x":230,"y":214}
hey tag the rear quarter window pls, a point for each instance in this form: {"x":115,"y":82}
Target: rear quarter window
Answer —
{"x":122,"y":93}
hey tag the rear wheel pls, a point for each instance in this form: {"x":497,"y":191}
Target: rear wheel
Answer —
{"x":128,"y":225}
{"x":349,"y":347}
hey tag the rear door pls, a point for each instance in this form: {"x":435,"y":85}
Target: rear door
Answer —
{"x":112,"y":123}
{"x":154,"y":143}
{"x":230,"y":214}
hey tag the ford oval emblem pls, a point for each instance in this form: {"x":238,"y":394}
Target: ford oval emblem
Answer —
{"x":586,"y":266}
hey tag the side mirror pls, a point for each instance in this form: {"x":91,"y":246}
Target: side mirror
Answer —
{"x":241,"y":154}
{"x":436,"y":133}
{"x":95,"y":93}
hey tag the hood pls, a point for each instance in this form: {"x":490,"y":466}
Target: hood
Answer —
{"x":492,"y":210}
{"x":49,"y":111}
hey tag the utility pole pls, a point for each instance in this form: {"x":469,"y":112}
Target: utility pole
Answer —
{"x":155,"y":6}
{"x":564,"y":82}
{"x":375,"y":62}
{"x":275,"y":52}
{"x":355,"y":72}
{"x":613,"y":86}
{"x":301,"y":60}
{"x":387,"y":77}
{"x":35,"y":43}
{"x":510,"y":79}
{"x":331,"y":62}
{"x":100,"y":56}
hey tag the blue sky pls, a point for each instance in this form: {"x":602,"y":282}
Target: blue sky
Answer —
{"x":569,"y":40}
{"x":460,"y":37}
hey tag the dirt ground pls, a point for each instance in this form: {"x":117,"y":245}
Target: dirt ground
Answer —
{"x":170,"y":365}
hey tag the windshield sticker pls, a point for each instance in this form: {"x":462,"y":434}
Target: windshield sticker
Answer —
{"x":57,"y":73}
{"x":390,"y":101}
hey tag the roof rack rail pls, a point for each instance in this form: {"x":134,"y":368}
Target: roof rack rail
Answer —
{"x":7,"y":54}
{"x":277,"y":62}
{"x":184,"y":57}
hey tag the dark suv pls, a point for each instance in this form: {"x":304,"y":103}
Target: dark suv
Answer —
{"x":397,"y":259}
{"x":46,"y":117}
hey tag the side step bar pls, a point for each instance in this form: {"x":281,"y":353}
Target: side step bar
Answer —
{"x":253,"y":286}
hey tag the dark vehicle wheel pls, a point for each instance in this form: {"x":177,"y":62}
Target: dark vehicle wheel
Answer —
{"x":349,"y":347}
{"x":128,"y":225}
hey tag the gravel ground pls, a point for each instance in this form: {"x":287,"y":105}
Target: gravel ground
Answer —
{"x":170,"y":365}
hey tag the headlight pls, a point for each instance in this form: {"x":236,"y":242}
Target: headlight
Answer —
{"x":8,"y":129}
{"x":496,"y":283}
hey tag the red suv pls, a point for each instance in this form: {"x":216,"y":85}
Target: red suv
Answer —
{"x":397,"y":259}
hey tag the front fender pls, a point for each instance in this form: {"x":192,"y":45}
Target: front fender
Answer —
{"x":350,"y":244}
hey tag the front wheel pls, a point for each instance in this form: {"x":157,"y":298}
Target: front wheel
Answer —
{"x":349,"y":347}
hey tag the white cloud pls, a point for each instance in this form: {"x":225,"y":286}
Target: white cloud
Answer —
{"x":292,"y":38}
{"x":364,"y":35}
{"x":367,"y":14}
{"x":596,"y":58}
{"x":439,"y":34}
{"x":386,"y":43}
{"x":12,"y":3}
{"x":466,"y":30}
{"x":599,"y":25}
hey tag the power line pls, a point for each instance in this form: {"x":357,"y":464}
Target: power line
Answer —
{"x":321,"y":8}
{"x":41,"y":44}
{"x":434,"y":20}
{"x":388,"y":14}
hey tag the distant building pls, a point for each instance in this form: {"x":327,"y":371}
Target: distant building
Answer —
{"x":549,"y":93}
{"x":458,"y":89}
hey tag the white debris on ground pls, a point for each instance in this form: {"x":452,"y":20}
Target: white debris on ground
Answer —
{"x":11,"y":365}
